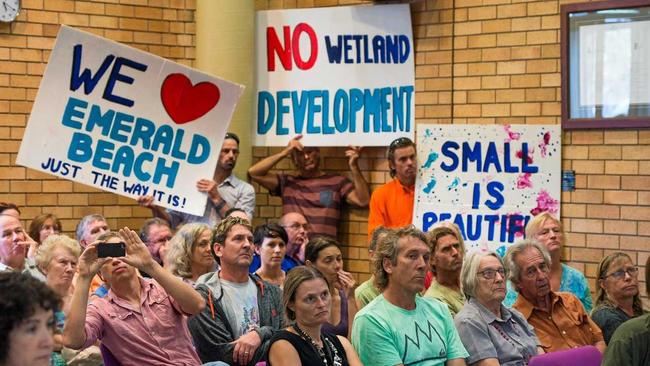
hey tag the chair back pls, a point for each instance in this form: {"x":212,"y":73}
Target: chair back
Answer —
{"x":583,"y":356}
{"x":107,"y":356}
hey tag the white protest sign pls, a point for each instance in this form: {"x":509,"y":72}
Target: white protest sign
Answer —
{"x":489,"y":180}
{"x":128,"y":122}
{"x":339,"y":75}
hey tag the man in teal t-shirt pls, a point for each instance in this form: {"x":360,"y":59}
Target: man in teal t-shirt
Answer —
{"x":399,"y":327}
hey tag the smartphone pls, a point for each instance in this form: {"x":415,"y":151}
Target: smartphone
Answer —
{"x":111,"y":250}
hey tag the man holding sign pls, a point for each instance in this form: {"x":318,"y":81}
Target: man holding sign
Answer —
{"x":131,"y":123}
{"x":312,"y":192}
{"x":224,"y":191}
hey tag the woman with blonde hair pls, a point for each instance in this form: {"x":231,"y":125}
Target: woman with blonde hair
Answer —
{"x":617,"y":297}
{"x":57,"y":259}
{"x":189,"y":255}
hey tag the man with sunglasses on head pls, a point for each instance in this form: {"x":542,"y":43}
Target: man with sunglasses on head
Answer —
{"x":559,"y":318}
{"x":224,"y":191}
{"x":315,"y":194}
{"x":391,"y":205}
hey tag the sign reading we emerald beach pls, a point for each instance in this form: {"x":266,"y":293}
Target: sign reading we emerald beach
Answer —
{"x":126,"y":121}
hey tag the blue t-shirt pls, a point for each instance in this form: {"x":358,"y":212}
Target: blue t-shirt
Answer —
{"x":287,"y":263}
{"x":384,"y":334}
{"x":572,"y":281}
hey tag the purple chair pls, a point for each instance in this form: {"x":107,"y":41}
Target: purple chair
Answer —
{"x":107,"y":356}
{"x":582,"y":356}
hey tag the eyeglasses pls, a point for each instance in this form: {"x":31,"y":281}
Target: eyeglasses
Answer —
{"x":490,"y":273}
{"x":297,"y":226}
{"x":531,"y":272}
{"x":400,"y":142}
{"x":620,"y":274}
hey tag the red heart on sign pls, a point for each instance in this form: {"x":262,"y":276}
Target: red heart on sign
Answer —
{"x":184,"y":102}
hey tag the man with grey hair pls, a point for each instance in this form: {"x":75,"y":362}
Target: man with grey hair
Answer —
{"x":90,"y":227}
{"x":399,"y":327}
{"x":559,"y":318}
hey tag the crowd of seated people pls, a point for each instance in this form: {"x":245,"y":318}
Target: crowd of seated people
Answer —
{"x":236,"y":317}
{"x":214,"y":290}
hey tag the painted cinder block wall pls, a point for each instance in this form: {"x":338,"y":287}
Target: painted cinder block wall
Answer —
{"x":477,"y":61}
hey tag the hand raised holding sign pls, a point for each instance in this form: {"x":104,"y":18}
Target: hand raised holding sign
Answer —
{"x":293,"y":145}
{"x":353,"y":153}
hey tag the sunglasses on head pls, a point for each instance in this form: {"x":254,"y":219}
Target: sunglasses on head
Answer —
{"x":400,"y":142}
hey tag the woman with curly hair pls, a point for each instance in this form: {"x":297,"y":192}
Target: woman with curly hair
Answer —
{"x":27,"y":309}
{"x":190,"y":255}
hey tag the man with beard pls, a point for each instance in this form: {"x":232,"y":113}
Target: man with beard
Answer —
{"x":446,"y":262}
{"x":224,"y":191}
{"x":315,"y":194}
{"x":399,"y":327}
{"x":559,"y":319}
{"x":243,"y":311}
{"x":391,"y":205}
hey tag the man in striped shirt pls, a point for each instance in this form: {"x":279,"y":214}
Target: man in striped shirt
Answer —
{"x":315,"y":194}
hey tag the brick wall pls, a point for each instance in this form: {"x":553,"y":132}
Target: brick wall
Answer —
{"x":163,"y":27}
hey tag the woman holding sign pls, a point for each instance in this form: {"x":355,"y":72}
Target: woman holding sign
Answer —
{"x":548,"y":231}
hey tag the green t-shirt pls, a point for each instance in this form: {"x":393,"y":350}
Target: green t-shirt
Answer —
{"x":366,"y":292}
{"x":454,"y":299}
{"x":629,"y":345}
{"x":384,"y":334}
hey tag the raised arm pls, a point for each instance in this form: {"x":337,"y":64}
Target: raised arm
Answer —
{"x":360,"y":196}
{"x":156,"y":211}
{"x":74,"y":332}
{"x":138,"y":256}
{"x":260,"y":171}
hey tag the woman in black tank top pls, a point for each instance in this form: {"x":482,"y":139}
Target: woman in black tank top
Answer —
{"x":306,"y":301}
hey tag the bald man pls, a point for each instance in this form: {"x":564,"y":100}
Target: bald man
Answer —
{"x":298,"y":230}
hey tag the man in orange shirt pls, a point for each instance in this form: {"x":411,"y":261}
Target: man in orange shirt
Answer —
{"x":559,"y":319}
{"x":391,"y":205}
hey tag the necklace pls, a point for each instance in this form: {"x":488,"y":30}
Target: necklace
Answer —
{"x":324,"y":352}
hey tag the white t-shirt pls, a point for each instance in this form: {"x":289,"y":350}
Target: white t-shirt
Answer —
{"x":240,"y":300}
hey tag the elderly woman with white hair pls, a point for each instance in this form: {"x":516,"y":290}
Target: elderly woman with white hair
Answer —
{"x":492,"y":333}
{"x":57,"y":258}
